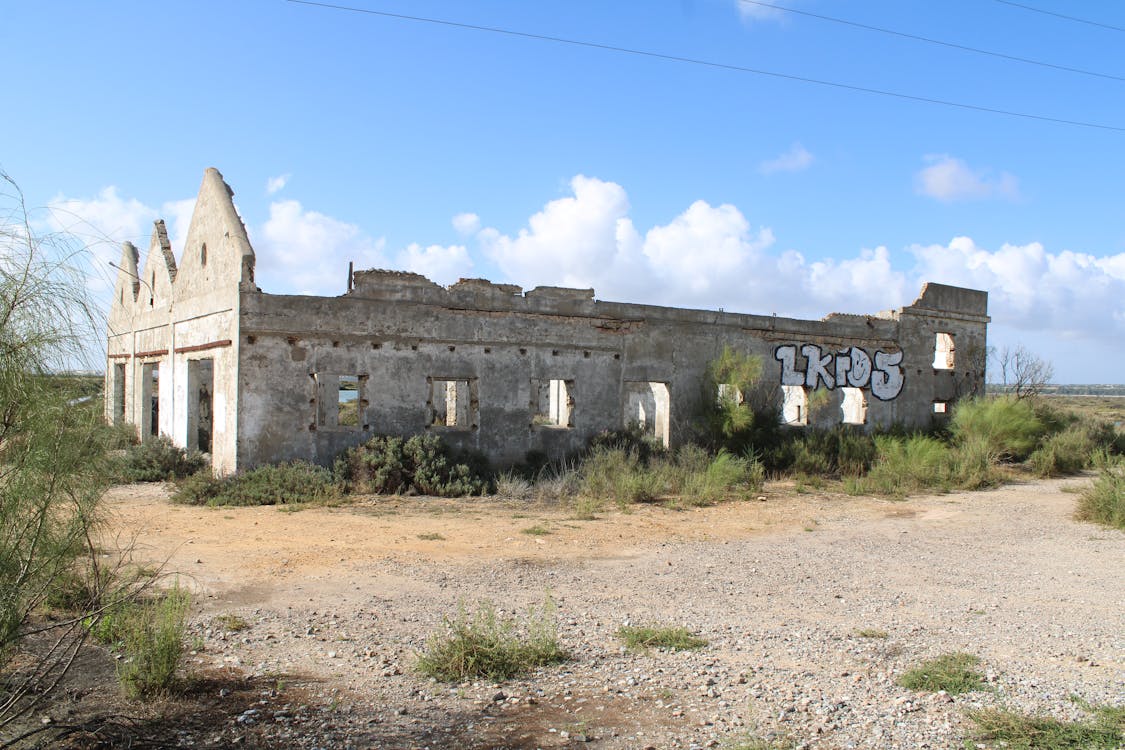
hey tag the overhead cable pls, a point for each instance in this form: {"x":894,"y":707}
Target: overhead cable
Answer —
{"x":711,"y":64}
{"x":928,"y":40}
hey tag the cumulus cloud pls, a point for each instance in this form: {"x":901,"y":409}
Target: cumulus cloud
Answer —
{"x":466,"y":224}
{"x":308,"y":252}
{"x":445,"y":265}
{"x":276,"y":184}
{"x":797,"y":158}
{"x":1074,"y":295}
{"x":950,"y":179}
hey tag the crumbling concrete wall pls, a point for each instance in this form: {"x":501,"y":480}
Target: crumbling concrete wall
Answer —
{"x":490,"y":367}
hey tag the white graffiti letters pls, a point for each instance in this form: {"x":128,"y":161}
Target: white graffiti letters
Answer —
{"x":886,"y":380}
{"x":851,"y":367}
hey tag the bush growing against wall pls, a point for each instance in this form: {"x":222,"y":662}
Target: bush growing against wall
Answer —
{"x":272,"y":484}
{"x":422,"y":464}
{"x":739,"y":414}
{"x":159,"y":460}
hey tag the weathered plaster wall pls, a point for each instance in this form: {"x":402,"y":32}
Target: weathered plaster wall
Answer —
{"x":507,"y":366}
{"x":172,"y":315}
{"x":399,"y":332}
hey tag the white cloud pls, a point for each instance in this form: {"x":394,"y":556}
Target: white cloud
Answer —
{"x":466,"y":224}
{"x":445,"y":265}
{"x":308,"y":252}
{"x":276,"y":184}
{"x":949,"y":179}
{"x":1068,"y":294}
{"x":795,"y":159}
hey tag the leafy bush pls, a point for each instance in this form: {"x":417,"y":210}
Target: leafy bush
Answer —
{"x":1011,"y":428}
{"x":484,"y":644}
{"x":158,"y":460}
{"x":422,"y":464}
{"x":673,"y":638}
{"x":1066,"y":452}
{"x":952,"y":673}
{"x":1104,"y":501}
{"x":272,"y":484}
{"x":152,"y":638}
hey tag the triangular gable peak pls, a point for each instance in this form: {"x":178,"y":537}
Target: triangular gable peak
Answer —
{"x":126,"y":287}
{"x":217,"y":255}
{"x":159,"y":270}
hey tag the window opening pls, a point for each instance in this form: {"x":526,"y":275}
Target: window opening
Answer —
{"x":200,"y":405}
{"x":347,"y":401}
{"x":940,"y":407}
{"x":943,"y":351}
{"x":119,"y":394}
{"x":203,"y":255}
{"x":339,"y":400}
{"x":648,"y":407}
{"x":853,"y":406}
{"x":794,"y":405}
{"x":453,"y":403}
{"x":552,"y":403}
{"x":150,"y":398}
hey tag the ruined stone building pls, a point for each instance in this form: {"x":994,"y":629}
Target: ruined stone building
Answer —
{"x":197,"y":352}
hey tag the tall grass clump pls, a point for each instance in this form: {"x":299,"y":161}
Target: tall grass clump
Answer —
{"x":620,"y":476}
{"x":482,"y":643}
{"x":151,"y":636}
{"x":1104,"y":501}
{"x":1066,"y":452}
{"x":1009,"y":427}
{"x":722,"y":477}
{"x":272,"y":484}
{"x":422,"y":464}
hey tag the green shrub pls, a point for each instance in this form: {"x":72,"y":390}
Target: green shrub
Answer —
{"x":152,"y":638}
{"x":422,"y":464}
{"x":484,"y":644}
{"x":723,"y":476}
{"x":952,"y":673}
{"x":1010,"y":427}
{"x":673,"y":638}
{"x":280,"y":484}
{"x":1104,"y":501}
{"x":632,"y":440}
{"x":907,"y":465}
{"x":158,"y":460}
{"x":618,"y":475}
{"x":1063,"y":453}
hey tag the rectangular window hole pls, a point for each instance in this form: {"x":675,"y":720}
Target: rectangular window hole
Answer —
{"x":794,"y":405}
{"x":339,"y":401}
{"x":453,"y":403}
{"x":648,"y":407}
{"x":940,"y":407}
{"x":943,"y":351}
{"x":853,"y":406}
{"x":552,"y":403}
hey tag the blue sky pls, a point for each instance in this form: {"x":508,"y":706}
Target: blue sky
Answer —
{"x":458,"y":152}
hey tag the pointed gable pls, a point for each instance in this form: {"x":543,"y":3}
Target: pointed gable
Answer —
{"x":125,"y":288}
{"x":217,"y":255}
{"x":159,"y":270}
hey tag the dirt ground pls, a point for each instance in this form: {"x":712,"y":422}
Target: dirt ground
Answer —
{"x":337,"y":602}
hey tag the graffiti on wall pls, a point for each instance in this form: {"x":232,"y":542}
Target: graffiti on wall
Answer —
{"x":852,"y":367}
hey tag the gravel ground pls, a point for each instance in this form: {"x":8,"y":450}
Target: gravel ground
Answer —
{"x":808,"y":626}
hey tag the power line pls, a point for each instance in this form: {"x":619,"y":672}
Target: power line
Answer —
{"x":712,"y":64}
{"x":928,"y":40}
{"x":1062,"y":15}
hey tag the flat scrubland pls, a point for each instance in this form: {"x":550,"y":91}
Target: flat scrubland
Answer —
{"x":811,"y":606}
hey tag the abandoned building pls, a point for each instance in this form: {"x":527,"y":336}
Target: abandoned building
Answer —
{"x":197,"y":352}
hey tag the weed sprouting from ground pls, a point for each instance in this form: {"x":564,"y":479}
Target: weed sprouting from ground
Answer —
{"x":431,"y":536}
{"x":1104,"y":731}
{"x":484,"y":644}
{"x":954,"y":673}
{"x":670,"y":637}
{"x":536,"y":530}
{"x":871,"y":633}
{"x":151,"y":635}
